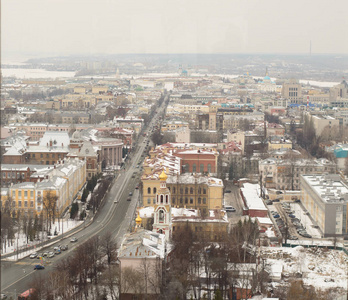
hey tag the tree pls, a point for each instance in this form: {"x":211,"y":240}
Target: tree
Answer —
{"x":74,"y":210}
{"x":50,"y":206}
{"x":109,"y":247}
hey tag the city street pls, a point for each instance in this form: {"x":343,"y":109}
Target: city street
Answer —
{"x":111,"y":217}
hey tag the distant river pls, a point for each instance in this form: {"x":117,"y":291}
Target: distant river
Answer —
{"x":35,"y":73}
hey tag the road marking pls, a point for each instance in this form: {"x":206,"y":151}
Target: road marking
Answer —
{"x":5,"y":288}
{"x":22,"y":263}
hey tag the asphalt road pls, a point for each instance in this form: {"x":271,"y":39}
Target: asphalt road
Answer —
{"x":16,"y":276}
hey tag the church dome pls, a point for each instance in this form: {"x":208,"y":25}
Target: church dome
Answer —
{"x":163,"y":176}
{"x":266,"y":78}
{"x":138,"y":219}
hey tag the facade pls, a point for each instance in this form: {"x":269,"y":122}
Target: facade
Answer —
{"x":321,"y":122}
{"x":283,"y":174}
{"x":253,"y":203}
{"x":325,"y":197}
{"x":189,"y":191}
{"x":292,"y":90}
{"x":63,"y":181}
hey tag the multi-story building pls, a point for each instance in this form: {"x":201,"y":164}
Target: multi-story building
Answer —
{"x":285,"y":174}
{"x":338,"y":92}
{"x":322,"y":122}
{"x":292,"y":90}
{"x":63,"y":181}
{"x":325,"y":197}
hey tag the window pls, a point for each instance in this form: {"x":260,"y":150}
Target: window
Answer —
{"x":3,"y":175}
{"x":41,"y":155}
{"x":174,"y":190}
{"x":13,"y":194}
{"x":154,"y":190}
{"x":18,"y":175}
{"x":25,"y":203}
{"x":180,"y":200}
{"x":148,"y":201}
{"x":204,"y":200}
{"x":154,"y":201}
{"x":199,"y":190}
{"x":181,"y":190}
{"x":186,"y":200}
{"x":186,"y":190}
{"x":161,"y":216}
{"x":47,"y":155}
{"x":23,"y":175}
{"x":161,"y":199}
{"x":204,"y":191}
{"x":25,"y":194}
{"x":209,"y":168}
{"x":191,"y":190}
{"x":173,"y":200}
{"x":13,"y":175}
{"x":199,"y":200}
{"x":19,"y":203}
{"x":149,"y":190}
{"x":13,"y":203}
{"x":31,"y":204}
{"x":201,"y":168}
{"x":19,"y":194}
{"x":191,"y":200}
{"x":194,"y":168}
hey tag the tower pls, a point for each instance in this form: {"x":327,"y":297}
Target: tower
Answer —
{"x":162,"y":210}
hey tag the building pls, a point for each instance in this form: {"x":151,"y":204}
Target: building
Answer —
{"x":253,"y":203}
{"x":325,"y":197}
{"x":64,"y":181}
{"x":292,"y":90}
{"x":285,"y":174}
{"x":322,"y":122}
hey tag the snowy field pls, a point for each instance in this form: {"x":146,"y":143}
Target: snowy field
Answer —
{"x":320,"y":268}
{"x":62,"y":227}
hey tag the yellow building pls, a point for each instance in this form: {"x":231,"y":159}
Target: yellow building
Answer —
{"x":189,"y":191}
{"x":63,"y":182}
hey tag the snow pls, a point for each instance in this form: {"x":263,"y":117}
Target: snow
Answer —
{"x":315,"y":264}
{"x":63,"y":227}
{"x":35,"y":73}
{"x":251,"y":194}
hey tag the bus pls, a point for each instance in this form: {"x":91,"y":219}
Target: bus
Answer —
{"x":26,"y":295}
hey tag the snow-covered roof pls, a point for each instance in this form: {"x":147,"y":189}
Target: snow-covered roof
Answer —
{"x":251,"y":195}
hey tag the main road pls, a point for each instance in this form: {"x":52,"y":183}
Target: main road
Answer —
{"x":115,"y":215}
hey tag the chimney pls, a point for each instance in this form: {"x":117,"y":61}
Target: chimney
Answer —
{"x":50,"y":143}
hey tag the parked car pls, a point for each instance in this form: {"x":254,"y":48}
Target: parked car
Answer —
{"x":297,"y":200}
{"x":3,"y":296}
{"x":33,"y":255}
{"x":276,"y":200}
{"x":306,"y":235}
{"x":73,"y":240}
{"x":129,"y":199}
{"x":292,"y":216}
{"x":39,"y":267}
{"x":64,"y":247}
{"x":292,"y":237}
{"x":276,"y":216}
{"x":230,"y":208}
{"x":227,"y":191}
{"x":50,"y":254}
{"x":269,"y":202}
{"x":44,"y":254}
{"x":130,"y":194}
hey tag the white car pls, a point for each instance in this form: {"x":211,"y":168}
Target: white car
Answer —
{"x":33,"y":255}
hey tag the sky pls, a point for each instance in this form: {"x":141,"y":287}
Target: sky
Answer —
{"x":64,"y":27}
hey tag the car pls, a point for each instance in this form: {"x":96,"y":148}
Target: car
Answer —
{"x":130,"y":194}
{"x":50,"y":254}
{"x":137,"y":187}
{"x":230,"y":208}
{"x":44,"y":254}
{"x":306,"y":235}
{"x":269,"y":202}
{"x":64,"y":247}
{"x":279,"y":192}
{"x":292,"y":237}
{"x":58,"y":251}
{"x":115,"y":201}
{"x":39,"y":267}
{"x":129,"y":199}
{"x":227,"y":191}
{"x":329,"y":280}
{"x":3,"y":296}
{"x":297,"y":200}
{"x":276,"y":200}
{"x":292,"y":216}
{"x":276,"y":216}
{"x":56,"y":248}
{"x":33,"y":255}
{"x":73,"y":240}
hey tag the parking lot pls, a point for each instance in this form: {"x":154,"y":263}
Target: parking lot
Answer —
{"x":293,"y":216}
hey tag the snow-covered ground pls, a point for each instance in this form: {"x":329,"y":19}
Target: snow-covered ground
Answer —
{"x":63,"y":227}
{"x":319,"y":267}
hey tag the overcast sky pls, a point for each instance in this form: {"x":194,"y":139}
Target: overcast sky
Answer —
{"x":61,"y":27}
